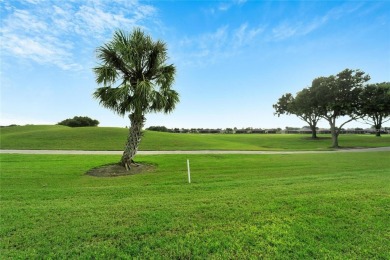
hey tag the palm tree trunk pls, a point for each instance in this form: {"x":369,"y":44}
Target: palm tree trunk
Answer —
{"x":133,"y":140}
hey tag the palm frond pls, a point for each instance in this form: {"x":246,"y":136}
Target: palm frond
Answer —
{"x":105,"y":74}
{"x":172,"y":99}
{"x":139,"y":65}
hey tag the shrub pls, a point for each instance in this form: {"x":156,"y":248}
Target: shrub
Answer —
{"x":79,"y":121}
{"x":158,"y":128}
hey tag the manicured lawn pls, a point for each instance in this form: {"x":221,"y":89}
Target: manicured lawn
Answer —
{"x":254,"y":142}
{"x":62,"y":137}
{"x":311,"y":206}
{"x":111,"y":138}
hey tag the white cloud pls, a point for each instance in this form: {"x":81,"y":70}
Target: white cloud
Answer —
{"x":24,"y":21}
{"x":55,"y":32}
{"x":225,"y":6}
{"x":244,"y":35}
{"x":210,"y":45}
{"x":289,"y":28}
{"x":41,"y":50}
{"x":97,"y":21}
{"x":222,"y":43}
{"x":33,"y":1}
{"x":284,"y":31}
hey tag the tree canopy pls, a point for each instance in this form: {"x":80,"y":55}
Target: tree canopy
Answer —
{"x":79,"y":121}
{"x":344,"y":96}
{"x":134,"y":75}
{"x":375,"y":104}
{"x":338,"y":97}
{"x":303,"y":105}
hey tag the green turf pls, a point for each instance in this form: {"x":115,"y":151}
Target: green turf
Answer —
{"x":63,"y":137}
{"x":110,"y":138}
{"x":327,"y":206}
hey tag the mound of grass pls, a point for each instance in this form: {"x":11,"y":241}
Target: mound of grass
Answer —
{"x":63,"y":138}
{"x":254,"y":206}
{"x":111,"y":138}
{"x":116,"y":169}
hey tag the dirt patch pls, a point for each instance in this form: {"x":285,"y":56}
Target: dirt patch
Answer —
{"x":115,"y":170}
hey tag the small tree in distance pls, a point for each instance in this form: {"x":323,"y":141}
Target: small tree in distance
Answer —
{"x":375,"y":105}
{"x":158,"y":128}
{"x":79,"y":121}
{"x":304,"y":106}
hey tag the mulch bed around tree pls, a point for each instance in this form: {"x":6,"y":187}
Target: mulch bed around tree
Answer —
{"x":114,"y":170}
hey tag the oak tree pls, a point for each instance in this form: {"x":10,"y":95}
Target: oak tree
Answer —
{"x":375,"y":105}
{"x":338,"y":98}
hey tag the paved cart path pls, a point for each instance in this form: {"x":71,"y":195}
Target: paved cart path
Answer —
{"x":352,"y":150}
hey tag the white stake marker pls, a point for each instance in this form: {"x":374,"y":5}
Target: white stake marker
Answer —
{"x":188,"y":168}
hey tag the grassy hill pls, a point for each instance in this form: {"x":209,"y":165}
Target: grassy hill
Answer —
{"x":62,"y":137}
{"x":113,"y":138}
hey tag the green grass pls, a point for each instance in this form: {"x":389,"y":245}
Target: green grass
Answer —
{"x":63,"y":137}
{"x":110,"y":138}
{"x":311,"y":206}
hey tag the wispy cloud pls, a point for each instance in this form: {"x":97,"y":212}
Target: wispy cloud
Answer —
{"x":33,"y":1}
{"x":43,"y":50}
{"x":225,"y":6}
{"x":206,"y":45}
{"x":53,"y":32}
{"x":289,"y":28}
{"x":229,"y":40}
{"x":222,"y":43}
{"x":245,"y":35}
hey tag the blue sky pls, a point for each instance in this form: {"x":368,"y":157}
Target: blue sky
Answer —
{"x":234,"y":59}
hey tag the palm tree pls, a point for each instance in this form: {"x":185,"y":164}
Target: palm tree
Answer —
{"x":136,"y":80}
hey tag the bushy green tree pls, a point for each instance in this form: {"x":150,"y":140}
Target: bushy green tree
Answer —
{"x":375,"y":105}
{"x":158,"y":128}
{"x":303,"y":105}
{"x":79,"y":121}
{"x":339,"y":98}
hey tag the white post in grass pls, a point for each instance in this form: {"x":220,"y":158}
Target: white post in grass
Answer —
{"x":188,"y":168}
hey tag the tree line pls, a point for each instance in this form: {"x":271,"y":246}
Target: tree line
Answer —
{"x":235,"y":130}
{"x":344,"y":96}
{"x":250,"y":130}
